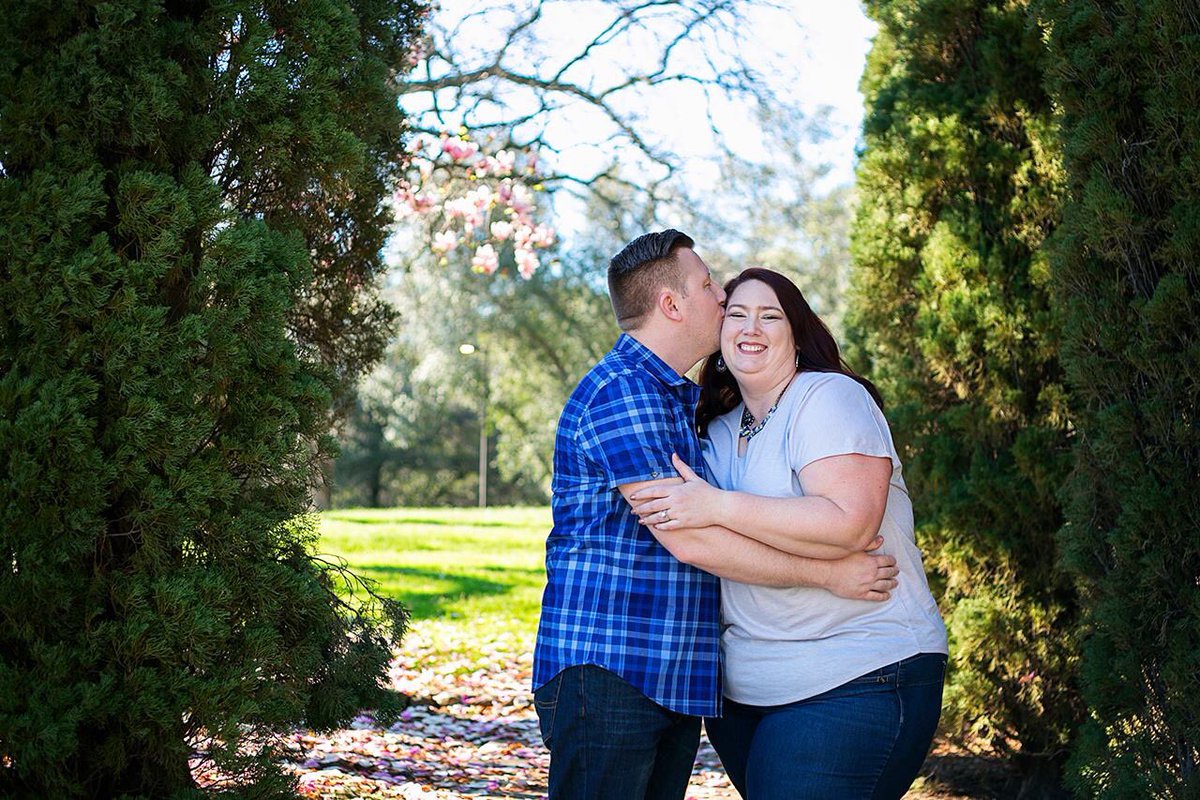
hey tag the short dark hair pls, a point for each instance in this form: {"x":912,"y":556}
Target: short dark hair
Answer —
{"x":644,"y":266}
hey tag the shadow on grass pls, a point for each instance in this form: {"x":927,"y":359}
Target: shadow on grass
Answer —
{"x":431,"y":605}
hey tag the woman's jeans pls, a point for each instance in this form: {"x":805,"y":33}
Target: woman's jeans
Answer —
{"x":609,"y":741}
{"x":865,"y":739}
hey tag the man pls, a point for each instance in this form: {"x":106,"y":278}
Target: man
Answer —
{"x":628,"y":649}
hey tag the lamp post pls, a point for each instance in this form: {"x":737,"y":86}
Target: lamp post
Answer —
{"x":469,"y":349}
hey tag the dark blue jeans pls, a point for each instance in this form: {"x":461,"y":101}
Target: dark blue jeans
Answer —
{"x":608,"y":740}
{"x":864,"y":740}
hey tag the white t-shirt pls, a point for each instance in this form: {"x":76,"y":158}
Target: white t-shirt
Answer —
{"x":783,"y":645}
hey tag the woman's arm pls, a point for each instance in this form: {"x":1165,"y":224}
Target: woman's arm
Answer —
{"x":840,"y":512}
{"x":726,"y":554}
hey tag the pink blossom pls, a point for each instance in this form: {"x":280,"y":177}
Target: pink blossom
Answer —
{"x":459,"y":150}
{"x":481,"y":197}
{"x":503,"y":163}
{"x":444,"y":241}
{"x":523,"y":236}
{"x":543,"y":235}
{"x":527,"y":262}
{"x":522,"y":199}
{"x":422,"y":202}
{"x":485,"y":260}
{"x":501,"y":230}
{"x":472,"y":220}
{"x":424,"y":167}
{"x":458,"y":207}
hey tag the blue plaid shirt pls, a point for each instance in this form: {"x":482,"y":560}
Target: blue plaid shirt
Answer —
{"x":614,"y":596}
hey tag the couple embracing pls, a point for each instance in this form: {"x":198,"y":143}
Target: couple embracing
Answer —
{"x":741,"y":552}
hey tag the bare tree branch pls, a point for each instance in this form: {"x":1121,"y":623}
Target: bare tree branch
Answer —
{"x":514,"y":90}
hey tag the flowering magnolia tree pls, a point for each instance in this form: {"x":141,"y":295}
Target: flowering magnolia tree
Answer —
{"x":472,"y":201}
{"x":575,"y":83}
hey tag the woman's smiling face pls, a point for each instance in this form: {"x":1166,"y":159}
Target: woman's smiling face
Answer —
{"x":756,"y":336}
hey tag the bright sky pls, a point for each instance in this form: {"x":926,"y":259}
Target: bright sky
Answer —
{"x":830,"y":57}
{"x":817,"y":47}
{"x":823,"y":45}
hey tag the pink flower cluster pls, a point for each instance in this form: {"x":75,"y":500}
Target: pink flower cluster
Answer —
{"x":476,"y":201}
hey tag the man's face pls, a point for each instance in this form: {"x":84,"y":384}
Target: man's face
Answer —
{"x":702,"y":304}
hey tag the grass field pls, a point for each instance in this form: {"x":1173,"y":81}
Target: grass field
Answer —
{"x":479,"y":570}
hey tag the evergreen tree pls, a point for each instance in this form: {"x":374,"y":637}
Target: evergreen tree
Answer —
{"x":1126,"y":267}
{"x":958,"y":187}
{"x":190,"y":212}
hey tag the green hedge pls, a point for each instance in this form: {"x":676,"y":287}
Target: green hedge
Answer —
{"x":958,"y":186}
{"x":173,"y":180}
{"x":1126,"y":267}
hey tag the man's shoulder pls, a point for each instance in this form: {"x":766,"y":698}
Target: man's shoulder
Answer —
{"x":613,"y":378}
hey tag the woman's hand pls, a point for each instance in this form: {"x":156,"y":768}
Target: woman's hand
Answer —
{"x":863,"y":576}
{"x":691,"y":504}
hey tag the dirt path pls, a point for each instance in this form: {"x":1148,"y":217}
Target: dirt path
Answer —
{"x":471,"y":732}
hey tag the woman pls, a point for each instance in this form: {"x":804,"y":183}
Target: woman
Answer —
{"x":826,"y":697}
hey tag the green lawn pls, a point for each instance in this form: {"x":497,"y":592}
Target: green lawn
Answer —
{"x":478,"y":570}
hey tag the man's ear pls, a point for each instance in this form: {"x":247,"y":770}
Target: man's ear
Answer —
{"x":668,"y":304}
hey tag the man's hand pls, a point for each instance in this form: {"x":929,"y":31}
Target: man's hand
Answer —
{"x":863,"y":576}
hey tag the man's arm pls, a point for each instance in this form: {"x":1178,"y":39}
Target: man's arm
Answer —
{"x":727,"y":554}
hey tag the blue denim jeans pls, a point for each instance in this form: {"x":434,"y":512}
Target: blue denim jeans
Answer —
{"x":608,"y":740}
{"x":864,"y":740}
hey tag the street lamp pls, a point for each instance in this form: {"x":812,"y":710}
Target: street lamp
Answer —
{"x":469,"y":349}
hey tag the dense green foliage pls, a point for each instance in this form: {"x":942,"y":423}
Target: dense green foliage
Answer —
{"x":190,"y":212}
{"x":1126,"y":272}
{"x":958,"y":187}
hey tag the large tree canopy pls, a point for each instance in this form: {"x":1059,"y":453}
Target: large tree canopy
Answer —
{"x":191,"y":217}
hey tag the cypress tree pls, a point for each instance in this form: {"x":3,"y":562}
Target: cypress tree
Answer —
{"x":1126,"y":267}
{"x":190,"y":208}
{"x":958,"y":187}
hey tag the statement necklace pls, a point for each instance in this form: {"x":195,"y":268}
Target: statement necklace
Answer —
{"x":749,"y":428}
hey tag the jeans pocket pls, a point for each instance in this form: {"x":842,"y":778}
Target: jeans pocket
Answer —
{"x":545,"y":703}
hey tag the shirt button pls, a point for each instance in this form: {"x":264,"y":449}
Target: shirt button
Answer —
{"x":653,"y":474}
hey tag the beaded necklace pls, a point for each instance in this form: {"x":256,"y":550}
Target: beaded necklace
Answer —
{"x":749,"y":428}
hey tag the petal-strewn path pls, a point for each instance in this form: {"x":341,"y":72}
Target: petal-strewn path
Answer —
{"x":470,"y":732}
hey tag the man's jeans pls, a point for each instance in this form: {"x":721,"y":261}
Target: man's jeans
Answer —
{"x":864,"y":740}
{"x":608,"y":740}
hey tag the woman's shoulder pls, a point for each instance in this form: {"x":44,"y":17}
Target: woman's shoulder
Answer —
{"x":830,"y":386}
